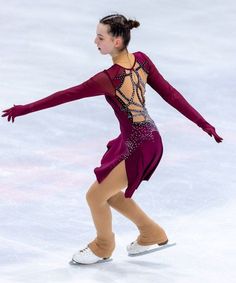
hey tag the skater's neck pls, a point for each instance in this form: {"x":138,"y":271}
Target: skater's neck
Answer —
{"x":123,"y":58}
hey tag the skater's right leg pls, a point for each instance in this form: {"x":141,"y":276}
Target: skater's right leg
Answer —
{"x":150,"y":231}
{"x":97,"y":196}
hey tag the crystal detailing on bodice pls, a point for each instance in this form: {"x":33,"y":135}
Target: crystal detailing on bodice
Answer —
{"x":131,"y":93}
{"x":140,"y":132}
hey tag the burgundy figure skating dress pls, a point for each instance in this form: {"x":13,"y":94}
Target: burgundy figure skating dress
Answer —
{"x":139,"y":142}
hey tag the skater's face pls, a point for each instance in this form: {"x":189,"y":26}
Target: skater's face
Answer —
{"x":106,"y":43}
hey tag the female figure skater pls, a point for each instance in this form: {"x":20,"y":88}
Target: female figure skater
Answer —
{"x":131,"y":157}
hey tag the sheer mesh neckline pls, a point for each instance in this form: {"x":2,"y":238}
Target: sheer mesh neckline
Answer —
{"x":128,"y":68}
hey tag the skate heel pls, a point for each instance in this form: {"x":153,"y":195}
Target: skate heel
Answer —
{"x":163,"y":243}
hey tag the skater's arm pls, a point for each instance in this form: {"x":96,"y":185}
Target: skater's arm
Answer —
{"x":175,"y":99}
{"x":94,"y":86}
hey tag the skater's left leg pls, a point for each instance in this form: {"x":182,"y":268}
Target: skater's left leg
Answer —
{"x":150,"y":231}
{"x":97,"y":197}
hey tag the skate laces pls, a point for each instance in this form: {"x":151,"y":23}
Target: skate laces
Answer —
{"x":84,"y":250}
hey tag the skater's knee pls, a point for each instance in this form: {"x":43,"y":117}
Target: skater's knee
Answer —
{"x":93,"y":196}
{"x":90,"y":195}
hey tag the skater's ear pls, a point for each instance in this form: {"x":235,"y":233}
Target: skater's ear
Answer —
{"x":117,"y":41}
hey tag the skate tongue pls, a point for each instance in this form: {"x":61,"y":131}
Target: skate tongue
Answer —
{"x":169,"y":245}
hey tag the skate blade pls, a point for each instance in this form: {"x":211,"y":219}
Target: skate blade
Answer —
{"x":73,"y":262}
{"x":154,"y":250}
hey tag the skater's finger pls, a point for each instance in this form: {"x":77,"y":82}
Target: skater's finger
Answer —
{"x":218,"y":139}
{"x":7,"y":113}
{"x":6,"y":110}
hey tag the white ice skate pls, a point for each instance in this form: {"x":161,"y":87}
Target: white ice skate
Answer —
{"x":86,"y":256}
{"x":134,"y":249}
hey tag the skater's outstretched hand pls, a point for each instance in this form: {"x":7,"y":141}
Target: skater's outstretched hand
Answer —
{"x":212,"y":132}
{"x":16,"y":110}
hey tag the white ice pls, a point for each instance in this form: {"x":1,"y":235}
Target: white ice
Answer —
{"x":48,"y":157}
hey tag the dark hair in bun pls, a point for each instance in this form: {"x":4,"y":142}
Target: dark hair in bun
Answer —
{"x":119,"y":25}
{"x":133,"y":24}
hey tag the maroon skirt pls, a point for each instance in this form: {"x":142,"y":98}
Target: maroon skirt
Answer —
{"x":140,"y":163}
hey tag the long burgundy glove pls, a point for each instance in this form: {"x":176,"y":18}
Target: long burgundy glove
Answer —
{"x":99,"y":84}
{"x":175,"y":99}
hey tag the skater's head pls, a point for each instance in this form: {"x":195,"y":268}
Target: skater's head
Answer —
{"x":113,"y":33}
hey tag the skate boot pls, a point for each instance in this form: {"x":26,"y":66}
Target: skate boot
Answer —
{"x":99,"y":250}
{"x":151,"y":236}
{"x":86,"y":256}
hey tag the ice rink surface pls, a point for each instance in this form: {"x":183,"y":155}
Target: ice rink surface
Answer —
{"x":48,"y":157}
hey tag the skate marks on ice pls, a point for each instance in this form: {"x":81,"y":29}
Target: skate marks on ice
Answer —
{"x":152,"y":250}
